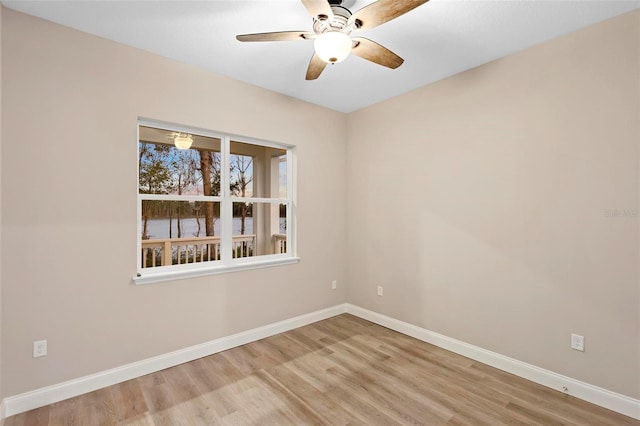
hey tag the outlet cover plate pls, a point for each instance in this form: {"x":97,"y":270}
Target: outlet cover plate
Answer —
{"x":577,"y":342}
{"x":39,"y":348}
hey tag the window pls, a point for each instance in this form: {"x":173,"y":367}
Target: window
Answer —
{"x":210,"y":203}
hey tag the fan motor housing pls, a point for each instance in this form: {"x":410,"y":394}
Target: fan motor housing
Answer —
{"x":338,"y":22}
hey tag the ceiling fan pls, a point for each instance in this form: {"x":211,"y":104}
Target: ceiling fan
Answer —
{"x":332,"y":28}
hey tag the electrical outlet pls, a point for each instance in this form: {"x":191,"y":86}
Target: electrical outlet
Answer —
{"x":379,"y":290}
{"x":577,"y":342}
{"x":39,"y":348}
{"x":334,"y":284}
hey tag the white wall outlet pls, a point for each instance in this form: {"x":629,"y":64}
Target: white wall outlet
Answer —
{"x":577,"y":342}
{"x":334,"y":284}
{"x":39,"y":348}
{"x":379,"y":290}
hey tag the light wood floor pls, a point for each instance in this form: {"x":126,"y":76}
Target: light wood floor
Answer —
{"x":339,"y":371}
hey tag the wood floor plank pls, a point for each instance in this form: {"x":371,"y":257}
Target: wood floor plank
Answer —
{"x":301,"y":409}
{"x":315,"y":398}
{"x":340,"y":371}
{"x":39,"y":416}
{"x":128,"y":400}
{"x":98,"y":408}
{"x":141,"y":420}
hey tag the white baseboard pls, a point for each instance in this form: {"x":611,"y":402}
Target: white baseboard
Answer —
{"x":40,"y":397}
{"x":596,"y":395}
{"x":48,"y":395}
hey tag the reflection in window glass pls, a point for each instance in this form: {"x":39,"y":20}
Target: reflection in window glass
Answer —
{"x":165,"y":169}
{"x":257,"y":171}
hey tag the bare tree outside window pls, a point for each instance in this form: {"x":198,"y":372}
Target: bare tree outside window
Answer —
{"x":242,"y":173}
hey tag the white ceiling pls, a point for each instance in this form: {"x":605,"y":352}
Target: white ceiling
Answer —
{"x":437,"y":40}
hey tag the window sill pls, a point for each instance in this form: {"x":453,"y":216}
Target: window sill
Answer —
{"x":156,"y":277}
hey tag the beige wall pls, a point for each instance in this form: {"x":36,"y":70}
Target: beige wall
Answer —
{"x":70,"y":105}
{"x":479,"y":204}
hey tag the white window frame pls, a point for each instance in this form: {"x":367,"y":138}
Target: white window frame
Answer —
{"x":226,"y":263}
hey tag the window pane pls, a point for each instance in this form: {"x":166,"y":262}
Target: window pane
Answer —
{"x":259,"y":229}
{"x":165,"y":169}
{"x":179,"y":232}
{"x":255,"y":171}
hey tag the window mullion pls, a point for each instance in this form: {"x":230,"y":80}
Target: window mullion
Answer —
{"x":226,"y":214}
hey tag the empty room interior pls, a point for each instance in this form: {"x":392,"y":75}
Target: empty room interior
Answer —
{"x":443,"y":230}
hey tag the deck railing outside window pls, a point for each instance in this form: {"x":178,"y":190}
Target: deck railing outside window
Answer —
{"x":279,"y":243}
{"x":179,"y":251}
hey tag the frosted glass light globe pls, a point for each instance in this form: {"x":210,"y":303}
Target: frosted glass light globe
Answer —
{"x":332,"y":46}
{"x":183,"y":142}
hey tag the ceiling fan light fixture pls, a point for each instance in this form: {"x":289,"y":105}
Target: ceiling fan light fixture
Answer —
{"x":332,"y":46}
{"x":183,"y":141}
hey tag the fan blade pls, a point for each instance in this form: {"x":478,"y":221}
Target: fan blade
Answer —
{"x":382,"y":11}
{"x":277,"y":36}
{"x":318,"y":8}
{"x":316,"y":66}
{"x":372,"y":51}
